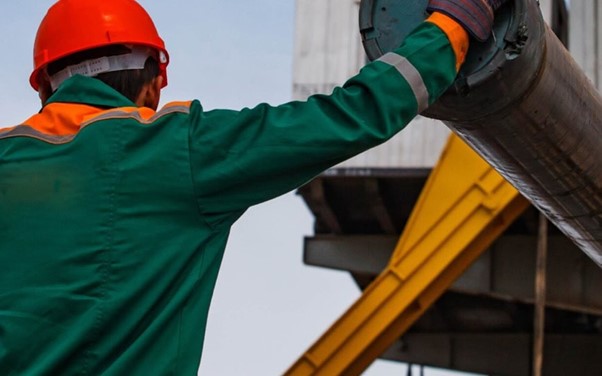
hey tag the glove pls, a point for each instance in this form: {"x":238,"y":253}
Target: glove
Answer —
{"x":476,"y":16}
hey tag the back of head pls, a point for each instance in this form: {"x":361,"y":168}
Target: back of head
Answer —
{"x":113,"y":40}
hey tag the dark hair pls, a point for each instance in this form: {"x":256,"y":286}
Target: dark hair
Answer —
{"x":127,"y":82}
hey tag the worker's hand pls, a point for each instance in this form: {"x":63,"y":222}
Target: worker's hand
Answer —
{"x":476,"y":16}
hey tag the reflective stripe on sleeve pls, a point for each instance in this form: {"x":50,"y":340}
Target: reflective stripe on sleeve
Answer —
{"x":411,"y":75}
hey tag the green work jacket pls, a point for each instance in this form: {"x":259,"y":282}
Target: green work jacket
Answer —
{"x":114,"y":218}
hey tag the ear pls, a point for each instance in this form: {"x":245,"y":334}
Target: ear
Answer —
{"x":44,"y":89}
{"x":150,"y":94}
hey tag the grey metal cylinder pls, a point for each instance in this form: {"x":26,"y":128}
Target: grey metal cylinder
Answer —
{"x":523,"y":103}
{"x":537,"y":119}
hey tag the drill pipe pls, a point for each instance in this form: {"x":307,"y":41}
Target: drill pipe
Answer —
{"x":537,"y":119}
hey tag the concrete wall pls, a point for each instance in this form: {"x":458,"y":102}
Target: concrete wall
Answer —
{"x":585,"y":37}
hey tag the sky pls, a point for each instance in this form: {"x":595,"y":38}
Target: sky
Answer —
{"x":268,"y":307}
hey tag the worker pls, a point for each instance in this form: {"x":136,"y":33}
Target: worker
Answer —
{"x":115,"y":213}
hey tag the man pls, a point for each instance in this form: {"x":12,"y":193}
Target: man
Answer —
{"x":115,"y":215}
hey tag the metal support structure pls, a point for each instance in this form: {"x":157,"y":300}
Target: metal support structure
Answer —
{"x":540,"y":296}
{"x":495,"y":353}
{"x":317,"y":191}
{"x":573,"y":282}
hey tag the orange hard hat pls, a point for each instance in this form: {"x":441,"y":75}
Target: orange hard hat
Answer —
{"x":72,"y":26}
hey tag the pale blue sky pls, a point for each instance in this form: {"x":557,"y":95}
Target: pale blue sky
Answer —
{"x":268,"y":307}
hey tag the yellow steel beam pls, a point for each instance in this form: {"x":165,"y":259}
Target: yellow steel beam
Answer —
{"x":463,"y":208}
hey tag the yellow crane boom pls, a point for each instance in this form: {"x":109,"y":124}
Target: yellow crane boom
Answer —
{"x":463,"y":208}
